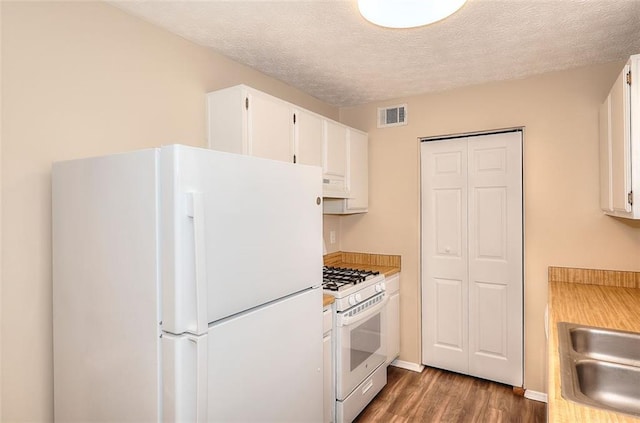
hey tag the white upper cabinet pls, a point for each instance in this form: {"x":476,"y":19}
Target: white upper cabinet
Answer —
{"x":620,"y":144}
{"x":358,"y":172}
{"x":246,"y":121}
{"x":334,"y":170}
{"x":270,"y":127}
{"x":308,"y":136}
{"x":356,"y":178}
{"x":243,"y":120}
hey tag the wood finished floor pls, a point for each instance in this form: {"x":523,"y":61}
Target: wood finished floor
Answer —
{"x":441,"y":396}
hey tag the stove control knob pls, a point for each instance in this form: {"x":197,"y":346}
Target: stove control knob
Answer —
{"x":352,"y":300}
{"x":358,"y":297}
{"x":384,"y":287}
{"x":378,"y":288}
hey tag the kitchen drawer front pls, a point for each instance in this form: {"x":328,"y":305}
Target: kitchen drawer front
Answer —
{"x":348,"y":409}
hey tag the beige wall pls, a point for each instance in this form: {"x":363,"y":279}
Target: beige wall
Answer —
{"x":82,"y":79}
{"x":331,"y":223}
{"x":1,"y":213}
{"x":563,"y":225}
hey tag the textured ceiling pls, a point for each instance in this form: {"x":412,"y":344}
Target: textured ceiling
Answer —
{"x":326,"y":49}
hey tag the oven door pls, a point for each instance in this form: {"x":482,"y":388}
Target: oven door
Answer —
{"x":361,"y":343}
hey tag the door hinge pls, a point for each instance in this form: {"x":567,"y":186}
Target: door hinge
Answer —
{"x":630,"y":197}
{"x":246,"y":103}
{"x":294,"y":158}
{"x":294,"y":118}
{"x":629,"y":77}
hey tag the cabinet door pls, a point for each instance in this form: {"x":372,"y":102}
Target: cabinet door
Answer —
{"x":393,"y":316}
{"x":309,"y":131}
{"x":620,"y":143}
{"x":227,"y":120}
{"x":358,"y":171}
{"x":270,"y":127}
{"x":328,"y":397}
{"x":335,"y":149}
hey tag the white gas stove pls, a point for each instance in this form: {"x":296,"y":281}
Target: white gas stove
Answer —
{"x":351,"y":287}
{"x":360,"y":347}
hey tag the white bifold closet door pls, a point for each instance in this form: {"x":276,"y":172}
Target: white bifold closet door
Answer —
{"x":472,"y":266}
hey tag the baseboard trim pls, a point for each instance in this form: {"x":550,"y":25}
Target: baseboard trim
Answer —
{"x":536,"y":396}
{"x":414,"y":367}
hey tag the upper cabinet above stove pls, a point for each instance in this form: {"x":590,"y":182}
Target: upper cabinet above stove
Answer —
{"x":620,"y":144}
{"x":357,"y":177}
{"x":244,"y":120}
{"x":336,"y":159}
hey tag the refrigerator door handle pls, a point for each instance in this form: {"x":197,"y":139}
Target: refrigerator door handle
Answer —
{"x":201,"y":379}
{"x":195,"y":210}
{"x":185,"y":378}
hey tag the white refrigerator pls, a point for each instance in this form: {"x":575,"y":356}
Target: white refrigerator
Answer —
{"x":186,"y":288}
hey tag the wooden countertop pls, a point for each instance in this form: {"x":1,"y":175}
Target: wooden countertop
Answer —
{"x":327,"y":300}
{"x":592,"y":305}
{"x":386,"y":264}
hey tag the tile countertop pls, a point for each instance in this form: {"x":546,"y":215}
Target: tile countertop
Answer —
{"x":607,"y":299}
{"x":385,"y":264}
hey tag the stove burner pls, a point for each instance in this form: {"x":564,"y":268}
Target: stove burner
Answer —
{"x":332,"y":285}
{"x":336,"y":277}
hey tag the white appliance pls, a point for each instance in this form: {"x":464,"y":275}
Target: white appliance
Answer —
{"x":186,"y":287}
{"x":361,"y":337}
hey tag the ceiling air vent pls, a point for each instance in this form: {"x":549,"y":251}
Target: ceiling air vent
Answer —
{"x":392,"y":116}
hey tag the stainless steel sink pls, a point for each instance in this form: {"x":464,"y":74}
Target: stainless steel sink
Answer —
{"x":605,"y":344}
{"x":600,"y":367}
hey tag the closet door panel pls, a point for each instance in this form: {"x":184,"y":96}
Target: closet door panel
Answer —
{"x":444,"y":245}
{"x":495,"y":257}
{"x":449,"y":314}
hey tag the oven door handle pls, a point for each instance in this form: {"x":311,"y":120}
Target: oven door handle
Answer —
{"x":350,"y":320}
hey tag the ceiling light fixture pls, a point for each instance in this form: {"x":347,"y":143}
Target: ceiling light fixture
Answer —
{"x":407,"y":13}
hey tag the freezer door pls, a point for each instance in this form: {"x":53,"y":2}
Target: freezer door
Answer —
{"x":264,"y":365}
{"x":236,"y":232}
